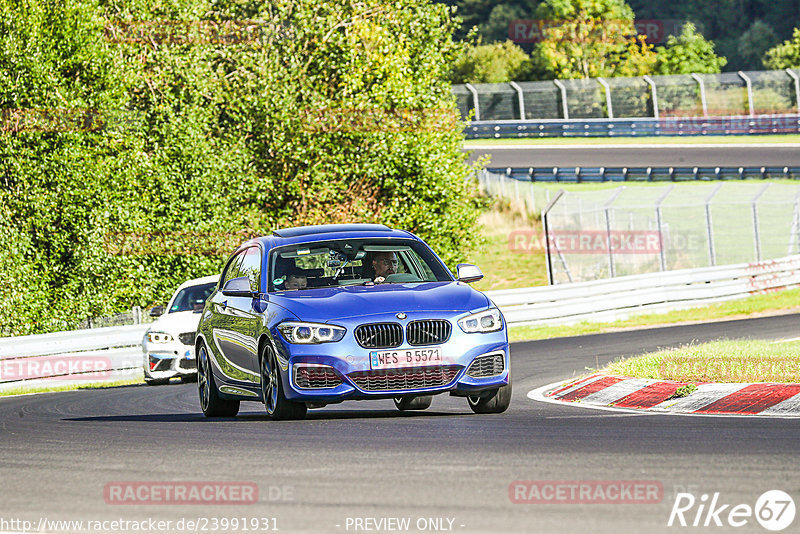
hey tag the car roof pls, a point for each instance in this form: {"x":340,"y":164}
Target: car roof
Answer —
{"x":198,"y":281}
{"x":328,"y":232}
{"x":298,"y":231}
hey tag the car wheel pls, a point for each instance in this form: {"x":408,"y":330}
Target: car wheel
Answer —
{"x":156,"y":381}
{"x":413,"y":403}
{"x":277,"y":405}
{"x":495,"y":402}
{"x":210,"y":401}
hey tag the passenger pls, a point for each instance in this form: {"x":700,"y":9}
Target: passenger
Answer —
{"x":296,"y":281}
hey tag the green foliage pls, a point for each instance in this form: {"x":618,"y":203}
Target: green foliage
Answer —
{"x":785,"y":55}
{"x":689,"y":52}
{"x":324,"y":112}
{"x":753,"y":43}
{"x":589,"y":39}
{"x":684,"y":391}
{"x":492,"y":63}
{"x":725,"y":22}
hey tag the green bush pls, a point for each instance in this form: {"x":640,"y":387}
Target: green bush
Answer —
{"x":492,"y":63}
{"x":785,"y":55}
{"x":170,"y":142}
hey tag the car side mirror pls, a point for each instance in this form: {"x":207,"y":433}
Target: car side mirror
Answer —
{"x":238,"y":287}
{"x":466,"y":272}
{"x":157,"y":311}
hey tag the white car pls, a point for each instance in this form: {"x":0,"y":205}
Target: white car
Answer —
{"x":168,"y":345}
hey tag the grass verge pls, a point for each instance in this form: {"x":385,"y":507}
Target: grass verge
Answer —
{"x":22,"y":390}
{"x":676,"y":140}
{"x":769,"y":303}
{"x":504,"y":268}
{"x":719,"y":361}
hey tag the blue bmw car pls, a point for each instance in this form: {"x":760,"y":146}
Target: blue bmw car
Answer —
{"x":316,"y":315}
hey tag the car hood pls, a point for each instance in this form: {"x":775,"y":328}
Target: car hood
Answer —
{"x":176,"y":323}
{"x":329,"y":304}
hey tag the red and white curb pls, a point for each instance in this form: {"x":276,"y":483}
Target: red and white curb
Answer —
{"x":621,"y":393}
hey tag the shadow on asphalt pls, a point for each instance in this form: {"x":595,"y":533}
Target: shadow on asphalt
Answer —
{"x":311,"y":416}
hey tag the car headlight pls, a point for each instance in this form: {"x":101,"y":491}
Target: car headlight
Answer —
{"x":159,"y":337}
{"x":485,"y":321}
{"x":311,"y":333}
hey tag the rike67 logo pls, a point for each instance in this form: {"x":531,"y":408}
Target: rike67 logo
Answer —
{"x":774,"y":510}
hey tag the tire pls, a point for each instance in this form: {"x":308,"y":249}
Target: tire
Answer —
{"x":495,"y":402}
{"x":413,"y":403}
{"x":156,"y":381}
{"x":210,"y":401}
{"x":275,"y":402}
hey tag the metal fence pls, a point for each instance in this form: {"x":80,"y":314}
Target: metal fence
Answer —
{"x":105,"y":354}
{"x":626,"y":296}
{"x":638,"y":174}
{"x":627,"y":230}
{"x":727,"y":94}
{"x":637,"y":127}
{"x":133,"y":317}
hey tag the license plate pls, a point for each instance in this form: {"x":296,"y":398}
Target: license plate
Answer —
{"x":390,"y":359}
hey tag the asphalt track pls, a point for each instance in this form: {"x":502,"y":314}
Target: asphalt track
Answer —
{"x":753,"y":155}
{"x":366,"y":460}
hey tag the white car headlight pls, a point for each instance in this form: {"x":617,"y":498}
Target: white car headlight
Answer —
{"x":311,"y":333}
{"x":485,"y":321}
{"x":159,"y":337}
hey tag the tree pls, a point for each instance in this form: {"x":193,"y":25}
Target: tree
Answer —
{"x":315,"y":112}
{"x":492,"y":63}
{"x":589,"y":39}
{"x":689,"y":52}
{"x":753,"y":43}
{"x":785,"y":55}
{"x":495,"y":29}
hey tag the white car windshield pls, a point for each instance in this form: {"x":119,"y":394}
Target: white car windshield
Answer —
{"x":192,"y":298}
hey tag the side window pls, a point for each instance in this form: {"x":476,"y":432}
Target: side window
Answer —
{"x":233,"y":270}
{"x":251,"y":267}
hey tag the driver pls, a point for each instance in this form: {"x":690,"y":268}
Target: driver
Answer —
{"x":384,"y":264}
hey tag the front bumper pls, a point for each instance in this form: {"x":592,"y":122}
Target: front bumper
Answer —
{"x":334,"y":372}
{"x":168,"y":360}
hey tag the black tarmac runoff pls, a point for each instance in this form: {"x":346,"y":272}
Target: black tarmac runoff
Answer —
{"x":98,"y":456}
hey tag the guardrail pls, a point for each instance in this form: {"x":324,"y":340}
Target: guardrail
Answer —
{"x":644,"y":174}
{"x":78,"y":356}
{"x":645,"y":127}
{"x":618,"y":298}
{"x":109,"y":354}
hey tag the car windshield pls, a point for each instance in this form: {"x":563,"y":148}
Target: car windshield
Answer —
{"x":192,"y":298}
{"x":353,"y":262}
